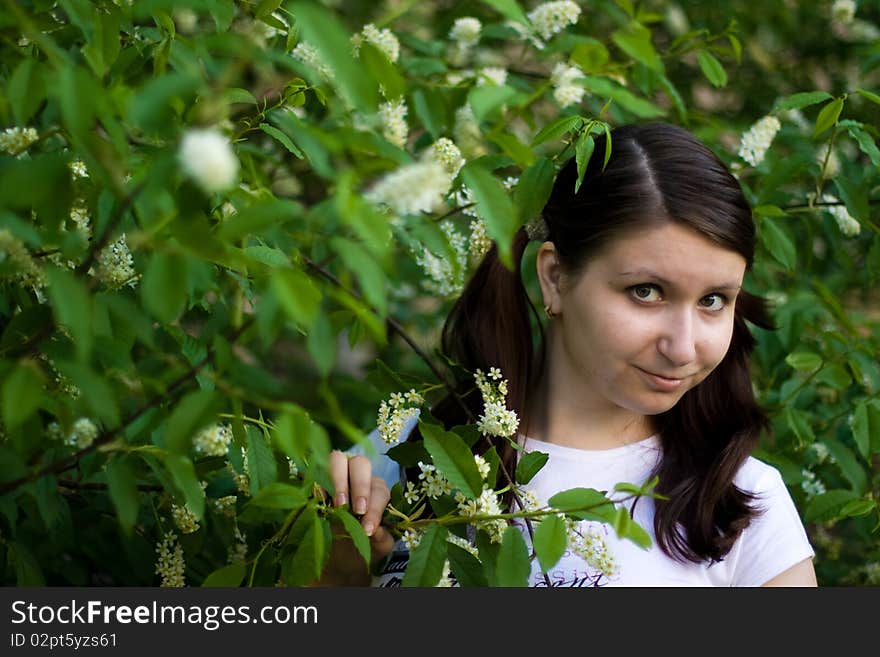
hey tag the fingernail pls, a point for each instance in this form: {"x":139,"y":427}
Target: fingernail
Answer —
{"x":360,"y":505}
{"x":369,"y":527}
{"x":341,"y":499}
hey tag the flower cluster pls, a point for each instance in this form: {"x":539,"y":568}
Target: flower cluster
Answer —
{"x":79,"y":215}
{"x":185,"y":519}
{"x":446,"y":276}
{"x":448,"y":155}
{"x":78,"y":169}
{"x":207,"y":157}
{"x":496,"y":419}
{"x":479,"y":242}
{"x":170,"y":565}
{"x":237,"y":552}
{"x":466,"y":31}
{"x":413,"y":188}
{"x":486,"y":504}
{"x":496,"y":75}
{"x":384,"y":40}
{"x":552,"y":17}
{"x":434,"y":483}
{"x":82,"y":433}
{"x":587,"y":540}
{"x":467,"y":133}
{"x":811,"y":484}
{"x":307,"y":54}
{"x":843,"y":11}
{"x":242,"y":479}
{"x":847,"y":224}
{"x":392,"y":115}
{"x":26,"y":270}
{"x":213,"y":440}
{"x":16,"y":141}
{"x":394,"y":413}
{"x":116,"y":266}
{"x":757,"y":139}
{"x":225,"y":506}
{"x":566,"y":91}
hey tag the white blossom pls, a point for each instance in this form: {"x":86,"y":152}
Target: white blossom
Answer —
{"x":78,"y":169}
{"x":395,"y":413}
{"x":411,"y":538}
{"x":756,"y":140}
{"x":447,"y":154}
{"x":491,"y":75}
{"x":445,"y":275}
{"x":207,"y":157}
{"x":170,"y":565}
{"x":184,"y":518}
{"x":384,"y":40}
{"x":847,"y":224}
{"x":213,"y":440}
{"x":587,"y":541}
{"x":566,"y":91}
{"x":552,"y":17}
{"x":82,"y":433}
{"x":307,"y":54}
{"x":115,"y":265}
{"x":237,"y":552}
{"x":26,"y":270}
{"x":413,"y":188}
{"x":79,"y":215}
{"x":831,"y":166}
{"x":225,"y":505}
{"x":496,"y":419}
{"x":466,"y":31}
{"x":392,"y":114}
{"x":486,"y":504}
{"x":811,"y":484}
{"x":479,"y":242}
{"x":467,"y":134}
{"x":843,"y":11}
{"x":17,"y":140}
{"x":434,"y":483}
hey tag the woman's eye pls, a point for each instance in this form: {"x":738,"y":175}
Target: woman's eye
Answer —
{"x":645,"y":292}
{"x":715,"y":302}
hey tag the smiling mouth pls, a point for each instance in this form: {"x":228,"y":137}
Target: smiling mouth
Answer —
{"x":662,"y":383}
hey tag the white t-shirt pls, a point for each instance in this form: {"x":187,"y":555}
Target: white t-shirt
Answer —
{"x":772,"y":543}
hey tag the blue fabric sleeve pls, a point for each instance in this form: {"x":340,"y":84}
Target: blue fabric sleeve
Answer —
{"x":375,"y":449}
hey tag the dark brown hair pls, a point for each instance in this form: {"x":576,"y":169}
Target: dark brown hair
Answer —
{"x":657,"y":173}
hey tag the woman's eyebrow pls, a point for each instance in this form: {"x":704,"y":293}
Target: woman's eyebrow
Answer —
{"x":648,"y":273}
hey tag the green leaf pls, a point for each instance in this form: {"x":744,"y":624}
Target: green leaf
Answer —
{"x":258,"y":217}
{"x":227,"y":576}
{"x":866,"y":427}
{"x":296,"y":293}
{"x":627,"y":528}
{"x":828,"y":116}
{"x":426,"y":561}
{"x":430,"y":108}
{"x":311,"y":554}
{"x":163,"y":289}
{"x":529,"y":465}
{"x":279,"y":496}
{"x":590,"y":55}
{"x":355,"y":530}
{"x":509,"y":9}
{"x":551,"y":539}
{"x":281,"y":138}
{"x":858,"y":508}
{"x":870,"y":95}
{"x":494,"y":207}
{"x":26,"y":89}
{"x":777,"y":242}
{"x":513,"y":567}
{"x":123,"y":492}
{"x":804,"y":361}
{"x":321,"y":29}
{"x":582,"y":504}
{"x":770,"y":211}
{"x":466,"y":568}
{"x":488,"y":99}
{"x":27,"y":568}
{"x":261,"y":462}
{"x":453,"y":458}
{"x":381,"y":68}
{"x":73,"y":308}
{"x":801,"y":100}
{"x":712,"y":68}
{"x":22,"y":393}
{"x":321,"y":344}
{"x":583,"y":152}
{"x":194,"y":412}
{"x":533,"y":189}
{"x":846,"y":461}
{"x":828,"y":506}
{"x":866,"y":143}
{"x":834,"y":376}
{"x":635,"y":41}
{"x":557,"y":128}
{"x":518,"y":151}
{"x":153,"y":106}
{"x":605,"y":88}
{"x":799,"y":422}
{"x":373,"y":280}
{"x":184,"y":475}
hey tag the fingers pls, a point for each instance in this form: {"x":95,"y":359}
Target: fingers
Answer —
{"x":338,"y":467}
{"x":381,"y":544}
{"x":360,"y":473}
{"x":377,"y":501}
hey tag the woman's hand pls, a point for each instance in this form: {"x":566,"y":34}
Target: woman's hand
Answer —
{"x":366,"y":496}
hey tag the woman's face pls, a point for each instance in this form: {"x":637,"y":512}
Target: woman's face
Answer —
{"x":647,"y":320}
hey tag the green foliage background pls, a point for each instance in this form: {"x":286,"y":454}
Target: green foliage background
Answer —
{"x":268,"y":306}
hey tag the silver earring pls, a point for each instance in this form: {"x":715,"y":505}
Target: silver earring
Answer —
{"x":550,"y":314}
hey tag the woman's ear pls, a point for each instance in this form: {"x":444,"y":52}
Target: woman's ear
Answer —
{"x":550,"y":277}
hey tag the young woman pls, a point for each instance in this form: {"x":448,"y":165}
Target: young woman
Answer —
{"x":643,"y":371}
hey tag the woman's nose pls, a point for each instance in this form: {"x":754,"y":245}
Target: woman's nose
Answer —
{"x":677,"y":341}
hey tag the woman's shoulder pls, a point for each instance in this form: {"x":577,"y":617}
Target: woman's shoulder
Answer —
{"x":759,"y":477}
